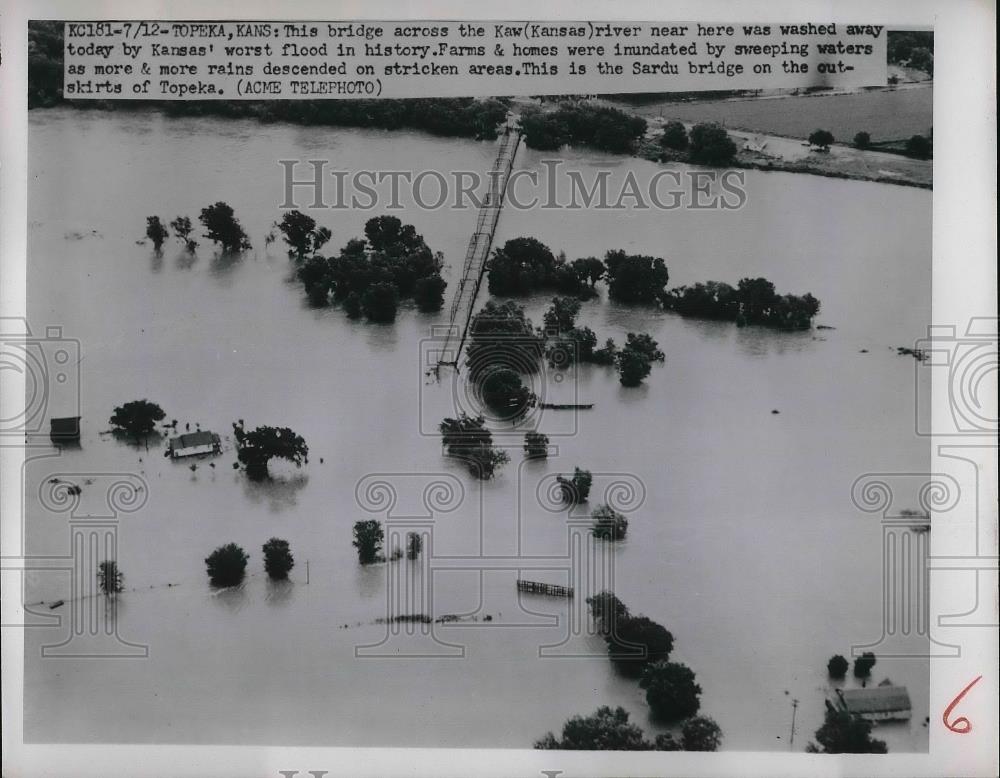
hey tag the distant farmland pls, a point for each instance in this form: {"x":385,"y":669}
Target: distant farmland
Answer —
{"x":884,"y":115}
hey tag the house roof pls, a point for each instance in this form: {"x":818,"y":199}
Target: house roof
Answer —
{"x":194,"y":439}
{"x":880,"y":699}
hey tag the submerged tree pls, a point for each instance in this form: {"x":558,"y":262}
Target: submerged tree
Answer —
{"x":589,"y":269}
{"x":606,"y":355}
{"x":671,"y":691}
{"x":183,"y":228}
{"x":701,"y":733}
{"x":604,"y":730}
{"x":863,"y":665}
{"x":468,"y":439}
{"x":501,"y":336}
{"x":223,"y":227}
{"x":536,"y":445}
{"x":259,"y":446}
{"x":156,"y":232}
{"x":633,"y":366}
{"x":137,"y":418}
{"x":110,"y":578}
{"x":837,"y":666}
{"x":634,"y":278}
{"x":380,"y":302}
{"x":278,"y":559}
{"x":227,"y":565}
{"x":368,"y":537}
{"x":609,"y":523}
{"x":561,"y":316}
{"x":638,"y":641}
{"x":414,"y":545}
{"x":504,"y":392}
{"x":608,"y":611}
{"x":428,"y":293}
{"x":525,"y":265}
{"x":576,"y":489}
{"x":301,"y":234}
{"x":645,"y":345}
{"x":844,"y":733}
{"x":753,"y":301}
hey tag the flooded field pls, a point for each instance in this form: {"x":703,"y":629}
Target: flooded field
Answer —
{"x":884,"y":115}
{"x":745,"y":544}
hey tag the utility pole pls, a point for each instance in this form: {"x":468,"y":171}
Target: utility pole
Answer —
{"x":307,"y":571}
{"x":791,"y":740}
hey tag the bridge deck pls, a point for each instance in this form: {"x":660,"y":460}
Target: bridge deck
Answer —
{"x":478,"y":251}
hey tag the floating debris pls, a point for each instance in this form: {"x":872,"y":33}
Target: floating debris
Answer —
{"x":421,"y":618}
{"x":917,"y":353}
{"x":775,"y":411}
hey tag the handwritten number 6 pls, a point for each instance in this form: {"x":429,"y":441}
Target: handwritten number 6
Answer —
{"x":961,"y":725}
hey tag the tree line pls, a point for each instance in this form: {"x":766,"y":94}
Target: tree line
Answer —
{"x":640,"y":648}
{"x":575,"y":123}
{"x":370,"y":275}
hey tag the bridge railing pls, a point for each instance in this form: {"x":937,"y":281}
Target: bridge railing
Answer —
{"x":477,"y":253}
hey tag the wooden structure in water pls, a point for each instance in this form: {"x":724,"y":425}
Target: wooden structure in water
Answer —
{"x":566,"y":406}
{"x":65,"y":429}
{"x":480,"y":243}
{"x":536,"y":587}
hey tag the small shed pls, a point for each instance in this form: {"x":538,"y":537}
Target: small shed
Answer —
{"x":64,"y":428}
{"x":879,"y":703}
{"x":193,"y":444}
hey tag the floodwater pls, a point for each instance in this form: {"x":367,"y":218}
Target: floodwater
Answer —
{"x":743,"y":538}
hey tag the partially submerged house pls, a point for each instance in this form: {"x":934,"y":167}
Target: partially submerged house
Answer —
{"x":64,"y":428}
{"x":193,"y":444}
{"x":877,"y":703}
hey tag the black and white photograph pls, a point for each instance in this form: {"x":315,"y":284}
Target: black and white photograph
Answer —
{"x":631,"y":414}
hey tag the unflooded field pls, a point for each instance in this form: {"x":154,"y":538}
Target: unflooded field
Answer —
{"x":885,"y":115}
{"x":745,"y":544}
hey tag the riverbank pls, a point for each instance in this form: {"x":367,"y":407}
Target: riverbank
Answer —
{"x":773,"y":153}
{"x":770,"y":131}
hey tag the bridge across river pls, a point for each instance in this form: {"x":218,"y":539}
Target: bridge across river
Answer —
{"x":480,"y":244}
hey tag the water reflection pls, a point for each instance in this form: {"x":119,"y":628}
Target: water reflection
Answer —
{"x":224,"y":263}
{"x":370,"y":580}
{"x":233,"y":599}
{"x":280,"y":493}
{"x":279,"y":592}
{"x":185,"y":260}
{"x":755,"y":341}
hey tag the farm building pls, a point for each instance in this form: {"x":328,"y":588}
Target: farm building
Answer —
{"x":65,"y":428}
{"x":879,"y":703}
{"x":194,"y":443}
